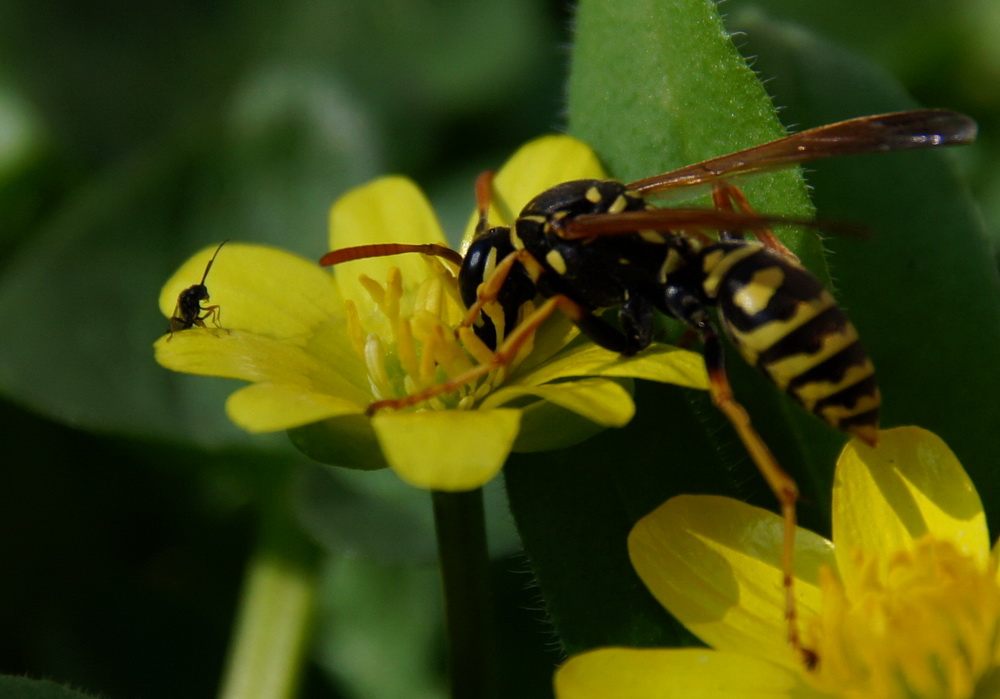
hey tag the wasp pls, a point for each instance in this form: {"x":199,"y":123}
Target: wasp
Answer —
{"x":590,"y":245}
{"x":189,"y":312}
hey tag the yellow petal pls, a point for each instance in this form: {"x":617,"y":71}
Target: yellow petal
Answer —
{"x":599,"y":400}
{"x":258,"y":288}
{"x":268,"y":407}
{"x":715,"y":564}
{"x":995,"y":554}
{"x":910,"y":485}
{"x":388,"y":210}
{"x":449,"y":450}
{"x":689,"y":673}
{"x":536,"y":166}
{"x":662,"y":363}
{"x":256,"y":358}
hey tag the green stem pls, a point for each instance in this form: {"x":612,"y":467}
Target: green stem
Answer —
{"x":274,"y":620}
{"x":465,"y":573}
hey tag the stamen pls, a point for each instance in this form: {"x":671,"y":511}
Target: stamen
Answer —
{"x":378,"y":378}
{"x":394,"y":291}
{"x":428,"y":367}
{"x":450,"y":355}
{"x":474,"y":346}
{"x":417,"y":341}
{"x":429,"y":297}
{"x":406,"y":349}
{"x":449,"y":282}
{"x":374,"y":290}
{"x":354,"y":331}
{"x":922,"y":623}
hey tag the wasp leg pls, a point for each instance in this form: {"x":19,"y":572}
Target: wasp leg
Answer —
{"x":729,"y":197}
{"x":636,"y":320}
{"x":687,"y":338}
{"x":778,"y":480}
{"x":490,"y":289}
{"x":503,"y":356}
{"x":685,"y":307}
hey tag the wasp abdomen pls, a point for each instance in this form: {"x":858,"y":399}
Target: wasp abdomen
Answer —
{"x":783,"y":320}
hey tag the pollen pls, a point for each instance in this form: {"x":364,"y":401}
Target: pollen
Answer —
{"x":923,"y":623}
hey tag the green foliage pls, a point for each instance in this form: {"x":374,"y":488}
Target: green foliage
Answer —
{"x":135,"y":138}
{"x":24,"y":688}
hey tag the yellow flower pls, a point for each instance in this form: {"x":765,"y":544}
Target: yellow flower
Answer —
{"x":318,"y":348}
{"x":904,"y":602}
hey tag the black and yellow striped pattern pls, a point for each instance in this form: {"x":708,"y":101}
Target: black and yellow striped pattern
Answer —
{"x":784,"y":321}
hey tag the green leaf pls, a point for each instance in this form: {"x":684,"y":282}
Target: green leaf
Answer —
{"x":658,"y":85}
{"x":23,"y":688}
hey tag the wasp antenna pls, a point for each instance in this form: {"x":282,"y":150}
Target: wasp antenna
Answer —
{"x":364,"y":252}
{"x":484,"y":193}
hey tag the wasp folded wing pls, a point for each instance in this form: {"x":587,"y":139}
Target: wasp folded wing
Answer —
{"x":685,"y":220}
{"x":896,"y":131}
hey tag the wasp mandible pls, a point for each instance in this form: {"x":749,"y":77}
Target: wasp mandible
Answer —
{"x":588,"y":245}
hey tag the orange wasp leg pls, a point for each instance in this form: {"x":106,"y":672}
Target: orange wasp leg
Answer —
{"x":503,"y":356}
{"x":729,"y":197}
{"x":491,"y":287}
{"x":780,"y":483}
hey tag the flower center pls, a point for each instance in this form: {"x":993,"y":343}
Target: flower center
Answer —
{"x":924,"y":623}
{"x":408,"y":342}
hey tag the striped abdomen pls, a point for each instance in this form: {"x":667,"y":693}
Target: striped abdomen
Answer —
{"x":783,"y":320}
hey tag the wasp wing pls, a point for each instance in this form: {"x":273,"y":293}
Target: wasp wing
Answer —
{"x":896,"y":131}
{"x":687,"y":220}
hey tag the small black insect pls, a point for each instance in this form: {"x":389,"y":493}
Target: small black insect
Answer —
{"x":189,"y":312}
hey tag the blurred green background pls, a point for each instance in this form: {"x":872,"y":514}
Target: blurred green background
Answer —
{"x":131,"y":136}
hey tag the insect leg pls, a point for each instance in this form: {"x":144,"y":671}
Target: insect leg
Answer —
{"x":688,"y":309}
{"x":636,"y":320}
{"x":503,"y":356}
{"x":590,"y":325}
{"x":778,"y":480}
{"x":729,"y":197}
{"x":490,"y":289}
{"x":213,"y":312}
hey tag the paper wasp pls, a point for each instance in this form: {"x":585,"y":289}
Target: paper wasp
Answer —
{"x":589,"y":245}
{"x":189,"y":312}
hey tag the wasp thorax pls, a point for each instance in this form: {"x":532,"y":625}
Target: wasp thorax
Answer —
{"x":580,"y":197}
